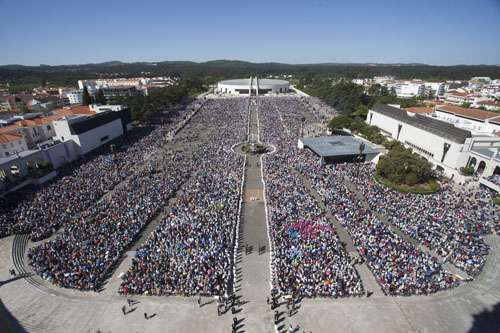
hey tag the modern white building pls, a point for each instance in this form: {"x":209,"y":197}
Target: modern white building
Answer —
{"x":97,"y":108}
{"x":435,"y":89}
{"x":475,"y":120}
{"x":253,"y":86}
{"x":446,"y":146}
{"x":75,"y":97}
{"x":91,"y":132}
{"x":408,"y":89}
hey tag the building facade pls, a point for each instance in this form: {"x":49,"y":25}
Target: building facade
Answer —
{"x":11,"y":144}
{"x":447,"y":147}
{"x":91,"y":132}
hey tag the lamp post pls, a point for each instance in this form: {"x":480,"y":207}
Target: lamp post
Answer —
{"x":360,"y":156}
{"x":303,"y":119}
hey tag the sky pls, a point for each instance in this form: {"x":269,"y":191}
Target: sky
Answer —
{"x":437,"y":32}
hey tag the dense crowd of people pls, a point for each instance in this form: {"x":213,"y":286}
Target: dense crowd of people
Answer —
{"x":399,"y":267}
{"x":308,"y":257}
{"x":82,"y":183}
{"x":451,"y":221}
{"x":191,"y":250}
{"x":103,"y":202}
{"x":92,"y":241}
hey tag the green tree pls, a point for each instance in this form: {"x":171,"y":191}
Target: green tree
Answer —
{"x":385,"y":92}
{"x":100,"y":98}
{"x":22,"y":107}
{"x":340,"y":122}
{"x":402,"y":166}
{"x":86,"y":99}
{"x":374,"y":89}
{"x":361,"y":111}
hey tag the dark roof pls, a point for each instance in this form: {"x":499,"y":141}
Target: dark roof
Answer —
{"x":100,"y":119}
{"x":425,"y":123}
{"x":338,"y":145}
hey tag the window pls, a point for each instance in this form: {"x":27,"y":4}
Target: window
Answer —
{"x":6,"y":153}
{"x":419,"y":149}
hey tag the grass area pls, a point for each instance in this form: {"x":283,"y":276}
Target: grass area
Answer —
{"x":496,"y":200}
{"x":426,"y":188}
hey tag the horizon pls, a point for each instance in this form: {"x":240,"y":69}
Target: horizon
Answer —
{"x":447,"y":33}
{"x":250,"y":62}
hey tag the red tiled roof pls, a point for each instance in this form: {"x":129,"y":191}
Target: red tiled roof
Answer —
{"x":469,"y":113}
{"x":74,"y":110}
{"x":495,"y":121}
{"x":458,"y":93}
{"x":5,"y":138}
{"x":420,"y":109}
{"x":9,"y":129}
{"x":492,"y":103}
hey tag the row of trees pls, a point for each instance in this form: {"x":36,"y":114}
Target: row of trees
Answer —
{"x":357,"y":126}
{"x":350,"y":99}
{"x":145,"y":107}
{"x":68,"y":74}
{"x":87,"y":99}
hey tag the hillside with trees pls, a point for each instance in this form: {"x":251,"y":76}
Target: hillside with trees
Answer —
{"x":213,"y":71}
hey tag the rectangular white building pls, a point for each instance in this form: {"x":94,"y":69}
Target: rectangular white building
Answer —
{"x":91,"y":132}
{"x":446,"y":146}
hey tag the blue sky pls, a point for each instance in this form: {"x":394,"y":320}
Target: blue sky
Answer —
{"x":442,"y":32}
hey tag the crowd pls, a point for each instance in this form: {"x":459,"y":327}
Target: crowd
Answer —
{"x":82,"y":183}
{"x":191,"y":250}
{"x":451,"y":221}
{"x":399,"y":267}
{"x":104,"y":201}
{"x":92,"y":242}
{"x":308,"y":257}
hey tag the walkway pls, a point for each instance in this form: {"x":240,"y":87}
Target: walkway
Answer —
{"x":254,"y":286}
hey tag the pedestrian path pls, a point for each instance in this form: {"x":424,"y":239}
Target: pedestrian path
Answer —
{"x":253,"y":272}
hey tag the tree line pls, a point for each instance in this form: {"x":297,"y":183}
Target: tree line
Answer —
{"x":161,"y":100}
{"x":67,"y":75}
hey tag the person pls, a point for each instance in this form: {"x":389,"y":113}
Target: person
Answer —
{"x":146,"y":316}
{"x":123,"y":310}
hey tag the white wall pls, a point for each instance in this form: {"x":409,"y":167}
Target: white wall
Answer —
{"x":95,"y":138}
{"x":469,"y":124}
{"x":424,"y":143}
{"x":13,"y":147}
{"x":62,"y":153}
{"x":89,"y":140}
{"x":62,"y":130}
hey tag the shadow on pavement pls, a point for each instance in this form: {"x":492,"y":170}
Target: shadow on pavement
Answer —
{"x":487,"y":321}
{"x":8,"y":323}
